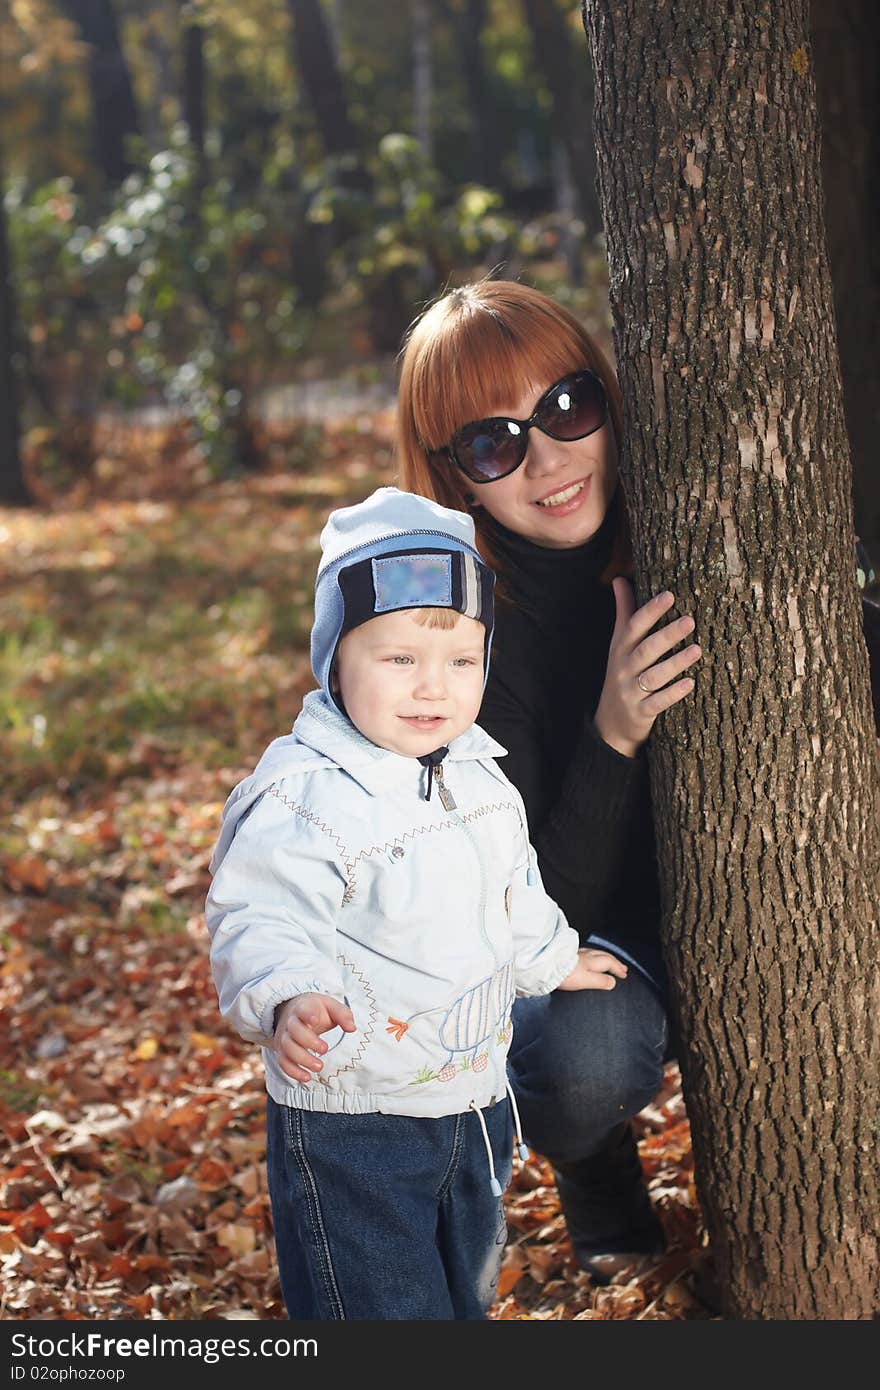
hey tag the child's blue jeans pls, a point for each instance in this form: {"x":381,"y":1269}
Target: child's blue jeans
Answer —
{"x":387,"y":1216}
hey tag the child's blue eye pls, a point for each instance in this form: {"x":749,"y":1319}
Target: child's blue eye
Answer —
{"x":464,"y":661}
{"x":400,"y":660}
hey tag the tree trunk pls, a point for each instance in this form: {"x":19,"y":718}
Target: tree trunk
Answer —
{"x":315,"y":56}
{"x":565,"y":204}
{"x":193,"y":84}
{"x":13,"y":490}
{"x":422,"y":76}
{"x":114,"y":115}
{"x":568,"y":77}
{"x":765,"y":781}
{"x":469,"y":21}
{"x":316,"y":64}
{"x":846,"y":43}
{"x":164,"y":85}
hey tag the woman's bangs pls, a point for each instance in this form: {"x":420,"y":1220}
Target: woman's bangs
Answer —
{"x":481,"y":365}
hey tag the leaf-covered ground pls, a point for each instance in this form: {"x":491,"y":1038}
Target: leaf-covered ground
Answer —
{"x":154,"y":638}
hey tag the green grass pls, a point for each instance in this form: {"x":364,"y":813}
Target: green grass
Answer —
{"x":182,"y":621}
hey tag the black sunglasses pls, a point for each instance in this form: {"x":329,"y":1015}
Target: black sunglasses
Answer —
{"x":487,"y":450}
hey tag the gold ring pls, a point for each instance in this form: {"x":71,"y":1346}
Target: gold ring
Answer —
{"x":643,"y":687}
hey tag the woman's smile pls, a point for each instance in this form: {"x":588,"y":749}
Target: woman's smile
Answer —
{"x":565,"y":499}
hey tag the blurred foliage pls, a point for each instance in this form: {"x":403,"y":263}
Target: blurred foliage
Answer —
{"x":208,"y":276}
{"x":43,"y":95}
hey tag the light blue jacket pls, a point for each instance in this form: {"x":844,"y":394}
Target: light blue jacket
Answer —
{"x":334,"y":874}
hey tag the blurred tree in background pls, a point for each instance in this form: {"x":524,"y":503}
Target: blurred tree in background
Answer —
{"x":204,"y":200}
{"x":114,"y":117}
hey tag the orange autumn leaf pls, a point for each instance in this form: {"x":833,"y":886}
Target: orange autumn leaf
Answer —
{"x":114,"y":1231}
{"x":508,"y":1279}
{"x":240,"y":1240}
{"x":513,"y":1313}
{"x":184,"y":1115}
{"x":398,"y":1028}
{"x":209,"y":1062}
{"x":151,"y":1262}
{"x":61,"y":1239}
{"x":27,"y":872}
{"x":35,"y":1218}
{"x":147,"y":1049}
{"x":212,"y":1174}
{"x":140,"y":1303}
{"x":544,"y":1260}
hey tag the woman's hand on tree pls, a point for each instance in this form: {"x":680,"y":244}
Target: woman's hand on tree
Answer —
{"x":627,"y":709}
{"x":594,"y":970}
{"x":298,"y":1024}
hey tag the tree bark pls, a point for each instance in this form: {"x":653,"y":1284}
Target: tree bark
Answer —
{"x":114,"y":114}
{"x":765,"y":781}
{"x":568,"y":76}
{"x":846,"y":44}
{"x":13,"y":489}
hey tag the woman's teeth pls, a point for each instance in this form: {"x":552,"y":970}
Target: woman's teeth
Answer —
{"x":564,"y":496}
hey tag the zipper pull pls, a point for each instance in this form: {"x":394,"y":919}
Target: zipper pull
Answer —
{"x":446,"y":797}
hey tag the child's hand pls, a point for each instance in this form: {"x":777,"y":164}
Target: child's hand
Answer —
{"x":299,"y":1022}
{"x":595,"y":970}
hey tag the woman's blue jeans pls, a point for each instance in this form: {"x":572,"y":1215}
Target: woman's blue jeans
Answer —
{"x":582,"y":1063}
{"x":387,"y":1216}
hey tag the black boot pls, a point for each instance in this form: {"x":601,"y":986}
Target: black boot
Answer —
{"x":607,"y":1208}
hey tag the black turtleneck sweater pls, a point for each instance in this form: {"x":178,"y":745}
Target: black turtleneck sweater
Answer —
{"x":588,"y":806}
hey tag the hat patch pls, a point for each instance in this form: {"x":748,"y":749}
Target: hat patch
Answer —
{"x":412,"y":581}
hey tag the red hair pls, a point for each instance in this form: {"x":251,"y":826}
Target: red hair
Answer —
{"x":467,"y":354}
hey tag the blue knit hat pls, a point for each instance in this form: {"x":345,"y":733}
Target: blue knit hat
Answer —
{"x":395,"y":550}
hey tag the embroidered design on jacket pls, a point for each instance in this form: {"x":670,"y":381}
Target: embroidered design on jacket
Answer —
{"x":361,"y":1000}
{"x":451,"y":823}
{"x":314,"y":820}
{"x":468,"y":1023}
{"x":395,"y":847}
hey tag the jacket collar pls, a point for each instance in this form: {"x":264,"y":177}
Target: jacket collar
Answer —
{"x":321,"y":727}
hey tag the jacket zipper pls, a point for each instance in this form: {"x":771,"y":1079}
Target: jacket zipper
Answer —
{"x":446,"y":797}
{"x":449,"y":805}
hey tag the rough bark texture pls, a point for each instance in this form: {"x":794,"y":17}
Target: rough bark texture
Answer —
{"x":846,"y":44}
{"x":114,"y":115}
{"x":765,"y":781}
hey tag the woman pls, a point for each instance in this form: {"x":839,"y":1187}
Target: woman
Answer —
{"x":507,"y":408}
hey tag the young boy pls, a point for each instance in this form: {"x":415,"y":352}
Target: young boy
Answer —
{"x":374,"y":910}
